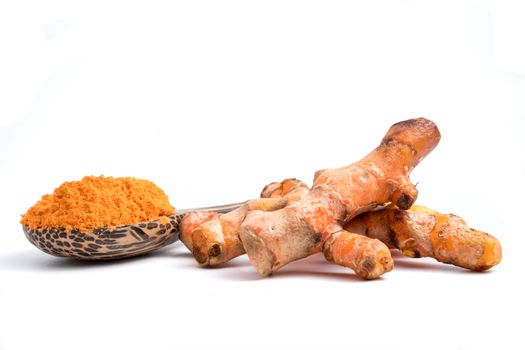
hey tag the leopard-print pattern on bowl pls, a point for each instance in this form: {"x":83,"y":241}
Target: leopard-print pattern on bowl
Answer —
{"x":106,"y":243}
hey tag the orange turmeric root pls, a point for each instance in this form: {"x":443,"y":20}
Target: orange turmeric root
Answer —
{"x":273,"y":239}
{"x":208,"y":231}
{"x":420,"y":232}
{"x":190,"y":222}
{"x":369,"y":258}
{"x":214,"y":238}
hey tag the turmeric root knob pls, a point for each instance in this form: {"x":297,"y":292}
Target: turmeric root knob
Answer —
{"x":369,"y":258}
{"x":190,"y":222}
{"x":422,"y":232}
{"x":453,"y":242}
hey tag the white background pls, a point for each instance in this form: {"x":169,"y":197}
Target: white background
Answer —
{"x":211,"y":100}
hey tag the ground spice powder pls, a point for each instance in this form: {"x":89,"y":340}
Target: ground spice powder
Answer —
{"x":99,"y":202}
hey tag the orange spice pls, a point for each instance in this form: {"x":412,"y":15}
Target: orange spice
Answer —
{"x":99,"y":202}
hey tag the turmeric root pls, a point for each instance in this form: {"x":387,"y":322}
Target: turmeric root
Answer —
{"x":273,"y":239}
{"x":420,"y":232}
{"x":369,"y":258}
{"x":214,"y":239}
{"x":190,"y":222}
{"x":208,"y":231}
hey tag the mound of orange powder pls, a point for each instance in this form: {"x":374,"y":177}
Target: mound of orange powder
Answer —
{"x":99,"y":202}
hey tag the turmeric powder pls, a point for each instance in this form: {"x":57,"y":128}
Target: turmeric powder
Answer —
{"x":99,"y":202}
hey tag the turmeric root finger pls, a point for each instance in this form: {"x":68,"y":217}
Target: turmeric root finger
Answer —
{"x":190,"y":222}
{"x":422,"y":232}
{"x":216,"y":239}
{"x":273,"y":239}
{"x":369,"y":258}
{"x":193,"y":220}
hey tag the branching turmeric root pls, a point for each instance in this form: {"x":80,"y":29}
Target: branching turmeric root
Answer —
{"x":273,"y":239}
{"x":213,"y":238}
{"x":420,"y":232}
{"x":290,"y":221}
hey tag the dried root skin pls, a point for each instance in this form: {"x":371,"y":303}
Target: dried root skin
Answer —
{"x":340,"y":194}
{"x":423,"y":232}
{"x":369,"y":258}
